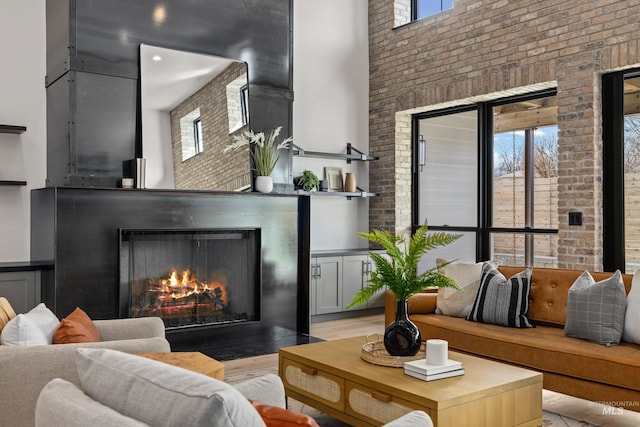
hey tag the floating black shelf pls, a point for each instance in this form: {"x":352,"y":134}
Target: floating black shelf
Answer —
{"x":346,"y":194}
{"x":3,"y":182}
{"x":12,"y":129}
{"x":348,"y":156}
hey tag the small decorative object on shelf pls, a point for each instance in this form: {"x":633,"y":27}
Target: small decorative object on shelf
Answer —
{"x":350,"y":182}
{"x":402,"y":337}
{"x":307,"y":181}
{"x":264,"y":155}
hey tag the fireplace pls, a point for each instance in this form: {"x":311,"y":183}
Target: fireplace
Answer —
{"x":190,"y":277}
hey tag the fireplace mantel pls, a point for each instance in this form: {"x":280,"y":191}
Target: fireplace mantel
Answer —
{"x":78,"y":228}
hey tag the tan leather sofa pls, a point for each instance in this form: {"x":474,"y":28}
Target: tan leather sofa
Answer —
{"x":571,"y":366}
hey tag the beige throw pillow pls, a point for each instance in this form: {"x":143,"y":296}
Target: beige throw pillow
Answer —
{"x":457,"y":303}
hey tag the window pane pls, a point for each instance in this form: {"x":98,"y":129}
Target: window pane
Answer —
{"x":632,"y":173}
{"x":509,"y":249}
{"x":525,"y":158}
{"x":463,"y":250}
{"x":545,"y":184}
{"x":449,"y":179}
{"x":431,"y":7}
{"x":508,"y":181}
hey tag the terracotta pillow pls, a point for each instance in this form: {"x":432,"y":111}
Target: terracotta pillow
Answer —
{"x":274,"y":416}
{"x":76,"y":327}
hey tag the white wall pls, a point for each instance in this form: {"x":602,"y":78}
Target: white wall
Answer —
{"x":331,"y":108}
{"x":23,"y":103}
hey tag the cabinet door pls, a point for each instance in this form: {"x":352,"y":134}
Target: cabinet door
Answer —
{"x":377,"y":300}
{"x":354,"y":270}
{"x":328,"y":284}
{"x":21,"y":289}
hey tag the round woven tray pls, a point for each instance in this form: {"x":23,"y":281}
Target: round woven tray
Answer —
{"x":373,"y":351}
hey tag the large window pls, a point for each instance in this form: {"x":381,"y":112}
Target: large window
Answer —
{"x":621,"y":155}
{"x":489,"y":172}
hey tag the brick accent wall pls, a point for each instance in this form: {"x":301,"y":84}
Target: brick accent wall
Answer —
{"x":495,"y":48}
{"x":211,"y":169}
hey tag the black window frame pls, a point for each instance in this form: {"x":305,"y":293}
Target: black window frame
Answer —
{"x":613,"y":217}
{"x":197,"y":136}
{"x":414,"y":10}
{"x":484,"y":228}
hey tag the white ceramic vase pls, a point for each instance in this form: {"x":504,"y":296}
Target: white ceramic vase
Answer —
{"x":264,"y":184}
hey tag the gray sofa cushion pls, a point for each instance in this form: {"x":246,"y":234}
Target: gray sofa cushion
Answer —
{"x":63,"y":404}
{"x":159,"y":394}
{"x":595,"y":310}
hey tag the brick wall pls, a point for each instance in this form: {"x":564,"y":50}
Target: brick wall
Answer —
{"x":210,"y":169}
{"x":495,"y":48}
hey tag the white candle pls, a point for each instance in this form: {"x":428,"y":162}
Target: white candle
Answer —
{"x":437,"y":352}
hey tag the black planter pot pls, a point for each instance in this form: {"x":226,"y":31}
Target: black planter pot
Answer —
{"x":402,"y":337}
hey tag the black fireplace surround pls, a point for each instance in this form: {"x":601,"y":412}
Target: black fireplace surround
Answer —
{"x":79,"y":230}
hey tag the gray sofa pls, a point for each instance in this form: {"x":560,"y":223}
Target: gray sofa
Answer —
{"x":24,"y":371}
{"x":131,"y":391}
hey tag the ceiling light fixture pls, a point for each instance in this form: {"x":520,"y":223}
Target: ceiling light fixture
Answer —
{"x":156,"y":58}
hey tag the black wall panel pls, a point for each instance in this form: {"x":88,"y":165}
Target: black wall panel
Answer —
{"x":102,"y":38}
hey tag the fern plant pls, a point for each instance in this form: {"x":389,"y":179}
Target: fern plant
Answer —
{"x":400,"y":273}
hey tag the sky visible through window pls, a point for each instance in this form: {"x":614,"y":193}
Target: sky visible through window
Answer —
{"x":431,"y":7}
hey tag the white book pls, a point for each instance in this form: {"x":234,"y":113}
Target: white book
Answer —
{"x":420,"y":366}
{"x":441,"y":375}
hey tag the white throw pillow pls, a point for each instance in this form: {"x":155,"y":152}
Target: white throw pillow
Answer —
{"x":33,"y":328}
{"x":631,"y":331}
{"x":457,"y":303}
{"x":159,"y":394}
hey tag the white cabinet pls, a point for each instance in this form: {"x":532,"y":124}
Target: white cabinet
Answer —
{"x":326,"y":285}
{"x":21,"y":289}
{"x":355,"y":274}
{"x":335,"y":280}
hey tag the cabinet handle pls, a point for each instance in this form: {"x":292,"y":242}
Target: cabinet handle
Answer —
{"x":370,"y":265}
{"x":381,"y":397}
{"x":313,"y":271}
{"x":319,"y":271}
{"x":309,"y":371}
{"x":364,"y":268}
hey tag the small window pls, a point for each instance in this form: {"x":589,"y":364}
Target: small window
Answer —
{"x":191,"y":134}
{"x":423,"y":8}
{"x":244,"y":101}
{"x":197,"y":135}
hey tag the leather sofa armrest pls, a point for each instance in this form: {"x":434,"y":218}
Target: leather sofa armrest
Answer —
{"x":420,"y":303}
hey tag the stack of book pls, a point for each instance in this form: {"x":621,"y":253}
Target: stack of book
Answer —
{"x":420,"y":369}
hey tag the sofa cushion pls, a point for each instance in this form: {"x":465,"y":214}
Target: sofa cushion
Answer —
{"x":595,"y":310}
{"x":454,"y":302}
{"x":631,"y":331}
{"x":33,"y":328}
{"x":76,"y":327}
{"x":61,"y":403}
{"x":542,"y":348}
{"x":159,"y":394}
{"x":500,"y":301}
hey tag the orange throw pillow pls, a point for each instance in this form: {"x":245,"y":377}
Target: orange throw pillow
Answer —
{"x":76,"y":327}
{"x":279,"y":417}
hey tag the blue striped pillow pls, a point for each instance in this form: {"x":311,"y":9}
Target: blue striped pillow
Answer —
{"x":500,"y":301}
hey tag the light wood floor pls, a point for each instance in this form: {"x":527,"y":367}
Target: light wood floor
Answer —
{"x":242,"y":369}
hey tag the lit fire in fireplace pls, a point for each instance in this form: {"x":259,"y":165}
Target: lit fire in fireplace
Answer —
{"x":182,"y":296}
{"x":174,"y":288}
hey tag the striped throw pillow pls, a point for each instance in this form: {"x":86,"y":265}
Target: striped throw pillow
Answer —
{"x":500,"y":301}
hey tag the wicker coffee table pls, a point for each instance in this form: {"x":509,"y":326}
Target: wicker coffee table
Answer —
{"x":332,"y":377}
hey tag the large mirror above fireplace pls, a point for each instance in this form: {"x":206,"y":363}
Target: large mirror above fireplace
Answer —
{"x":191,"y":106}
